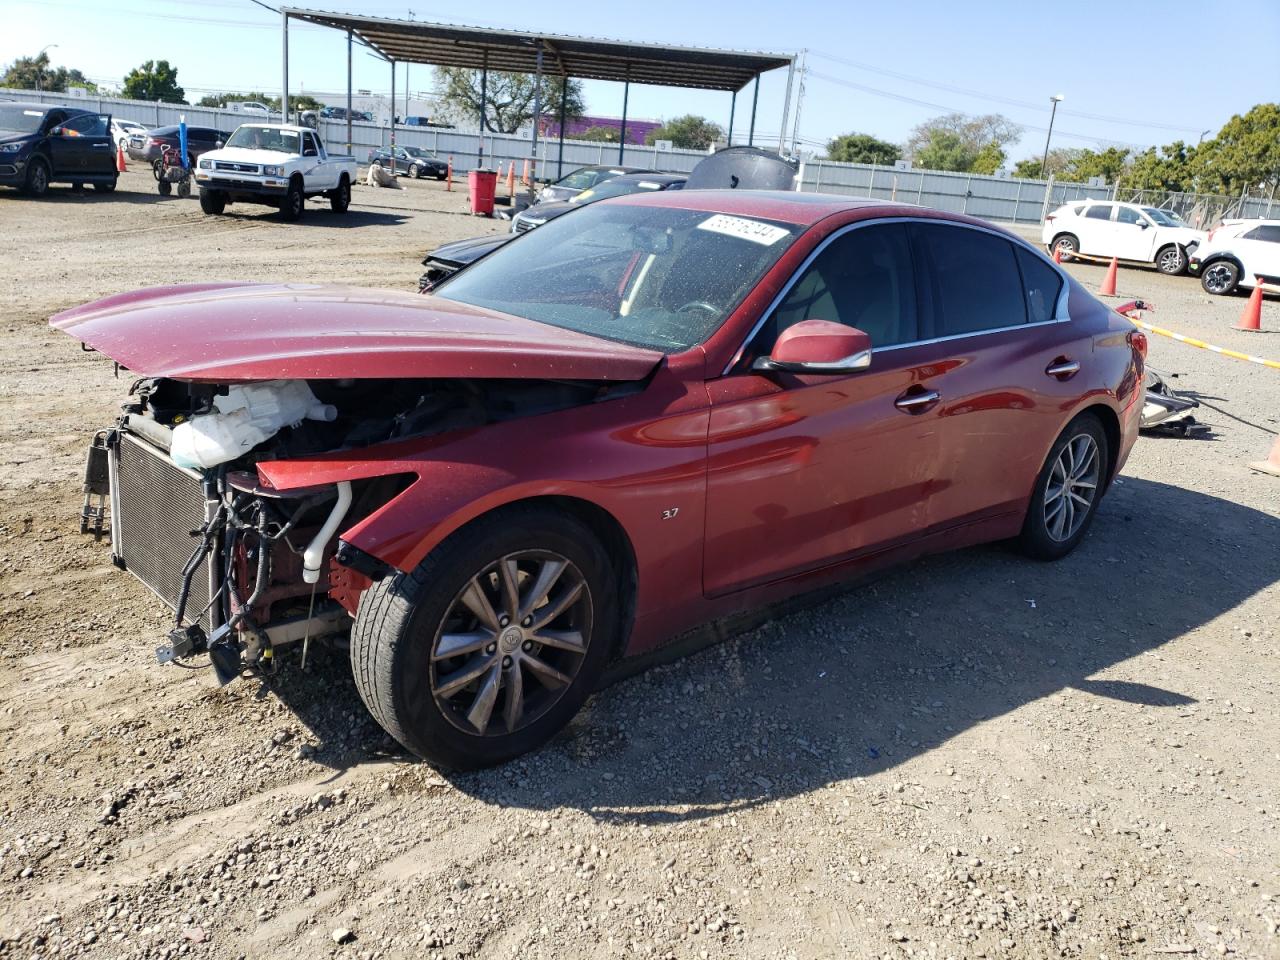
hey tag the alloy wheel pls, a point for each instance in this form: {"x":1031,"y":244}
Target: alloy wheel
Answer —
{"x":1071,"y":487}
{"x":1217,"y":279}
{"x":511,"y":643}
{"x":1170,"y":261}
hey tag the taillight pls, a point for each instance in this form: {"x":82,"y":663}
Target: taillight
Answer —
{"x":151,"y":141}
{"x":1138,"y":341}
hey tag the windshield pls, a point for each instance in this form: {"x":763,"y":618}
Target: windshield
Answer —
{"x":615,"y":188}
{"x":415,"y":151}
{"x":583,"y":178}
{"x":652,"y":276}
{"x":265,"y":138}
{"x":20,"y":119}
{"x":1165,"y":218}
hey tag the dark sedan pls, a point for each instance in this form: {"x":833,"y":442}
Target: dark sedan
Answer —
{"x":41,"y":144}
{"x":618,"y":186}
{"x":413,"y":161}
{"x":148,"y":146}
{"x":444,"y":261}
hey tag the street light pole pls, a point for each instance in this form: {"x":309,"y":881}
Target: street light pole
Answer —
{"x":1044,"y":162}
{"x":37,"y":62}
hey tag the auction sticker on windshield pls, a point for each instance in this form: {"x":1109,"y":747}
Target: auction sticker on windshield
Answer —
{"x":764,"y":234}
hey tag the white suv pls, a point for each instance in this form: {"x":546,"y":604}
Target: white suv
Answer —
{"x":1128,"y":231}
{"x":1236,"y":253}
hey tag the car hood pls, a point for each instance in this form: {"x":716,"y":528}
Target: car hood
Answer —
{"x":468,"y":251}
{"x":7,"y":136}
{"x":245,"y":155}
{"x":549,"y":210}
{"x":231,"y":332}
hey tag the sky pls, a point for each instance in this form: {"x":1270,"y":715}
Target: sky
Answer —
{"x":1128,"y":75}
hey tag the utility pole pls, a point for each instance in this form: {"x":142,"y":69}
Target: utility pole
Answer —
{"x":1056,"y":99}
{"x":406,"y":84}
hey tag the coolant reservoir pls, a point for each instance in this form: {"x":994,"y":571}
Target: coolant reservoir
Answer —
{"x":248,"y":415}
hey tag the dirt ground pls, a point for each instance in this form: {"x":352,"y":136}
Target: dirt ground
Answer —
{"x":976,"y":756}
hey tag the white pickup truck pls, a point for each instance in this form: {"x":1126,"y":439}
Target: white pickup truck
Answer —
{"x":277,"y":165}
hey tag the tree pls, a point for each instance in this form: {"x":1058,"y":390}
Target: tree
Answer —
{"x":33,"y":73}
{"x":509,"y":98}
{"x":989,"y":159}
{"x":600,"y":133}
{"x":154,"y":80}
{"x":689,"y":132}
{"x":1244,"y":155}
{"x":955,"y":141}
{"x":862,"y":148}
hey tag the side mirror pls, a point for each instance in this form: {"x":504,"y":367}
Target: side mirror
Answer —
{"x":56,"y":132}
{"x":818,"y":346}
{"x":1142,"y":224}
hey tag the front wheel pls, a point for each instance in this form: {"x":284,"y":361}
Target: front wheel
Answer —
{"x":294,"y":201}
{"x":415,"y":171}
{"x":493,"y":642}
{"x":1067,"y":490}
{"x":213,"y":202}
{"x":1067,"y":246}
{"x":37,"y":183}
{"x":165,"y":187}
{"x":1171,"y":261}
{"x":1220,"y":278}
{"x":340,"y":198}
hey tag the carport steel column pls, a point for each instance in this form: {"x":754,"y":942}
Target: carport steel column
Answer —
{"x":349,"y":93}
{"x":626,"y":93}
{"x":537,"y":115}
{"x":755,"y":98}
{"x":284,"y":80}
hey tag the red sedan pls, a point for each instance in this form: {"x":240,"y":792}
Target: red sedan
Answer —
{"x":662,"y":410}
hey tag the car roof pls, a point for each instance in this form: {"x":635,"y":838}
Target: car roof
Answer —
{"x":786,"y":206}
{"x":45,"y":107}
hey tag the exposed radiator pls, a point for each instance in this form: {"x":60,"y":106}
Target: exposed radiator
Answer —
{"x":155,"y":506}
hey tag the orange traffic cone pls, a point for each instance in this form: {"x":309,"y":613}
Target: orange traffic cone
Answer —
{"x":448,"y":174}
{"x":120,"y":164}
{"x":1108,"y":288}
{"x":511,"y":179}
{"x":1270,"y":465}
{"x":1057,"y":254}
{"x":524,"y":173}
{"x":1251,"y":317}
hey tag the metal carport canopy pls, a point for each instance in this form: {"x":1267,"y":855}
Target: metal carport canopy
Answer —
{"x":514,"y":51}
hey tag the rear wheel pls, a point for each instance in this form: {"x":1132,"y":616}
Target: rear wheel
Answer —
{"x":492,"y":644}
{"x":1067,"y":490}
{"x":213,"y":202}
{"x":165,"y":187}
{"x":1220,"y":277}
{"x":1170,"y":260}
{"x":1067,"y":245}
{"x":106,"y":186}
{"x":340,"y":197}
{"x":294,"y":201}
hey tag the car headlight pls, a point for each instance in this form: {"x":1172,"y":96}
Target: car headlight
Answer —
{"x":206,"y":164}
{"x":273,"y":171}
{"x":11,"y":147}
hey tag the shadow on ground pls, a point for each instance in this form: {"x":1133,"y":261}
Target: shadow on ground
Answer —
{"x":881,"y":673}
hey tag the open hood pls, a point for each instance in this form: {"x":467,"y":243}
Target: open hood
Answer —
{"x":226,"y":333}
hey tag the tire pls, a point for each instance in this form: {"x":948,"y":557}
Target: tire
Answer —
{"x":165,"y":187}
{"x":184,"y":188}
{"x":1067,"y":244}
{"x":1045,"y":531}
{"x":340,"y":198}
{"x":37,"y":181}
{"x":107,"y":186}
{"x":294,"y":201}
{"x":402,"y":620}
{"x":213,"y":202}
{"x":1221,"y":277}
{"x":415,"y":171}
{"x":1171,"y":260}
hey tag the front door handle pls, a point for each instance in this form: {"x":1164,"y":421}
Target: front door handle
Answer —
{"x":1063,"y":369}
{"x":917,"y":400}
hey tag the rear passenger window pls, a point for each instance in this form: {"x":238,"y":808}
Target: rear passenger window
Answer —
{"x":1042,"y":285}
{"x":1099,"y":212}
{"x":1265,"y":232}
{"x":864,"y":279}
{"x":976,"y":282}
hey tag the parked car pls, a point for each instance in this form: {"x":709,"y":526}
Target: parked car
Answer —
{"x":666,"y":408}
{"x":1128,"y":231}
{"x":42,"y":144}
{"x":446,"y":260}
{"x":620,"y":186}
{"x":276,"y":165}
{"x":148,"y":146}
{"x":1236,"y":253}
{"x":122,"y":130}
{"x":571,"y":184}
{"x":413,"y":161}
{"x":248,"y":106}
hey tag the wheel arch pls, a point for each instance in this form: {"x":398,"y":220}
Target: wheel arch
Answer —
{"x":1110,"y":421}
{"x":1219,"y":258}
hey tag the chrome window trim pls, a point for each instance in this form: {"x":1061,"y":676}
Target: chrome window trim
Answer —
{"x":1060,"y":314}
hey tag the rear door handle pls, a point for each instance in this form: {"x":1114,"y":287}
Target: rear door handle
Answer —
{"x":917,"y":402}
{"x":1063,"y":369}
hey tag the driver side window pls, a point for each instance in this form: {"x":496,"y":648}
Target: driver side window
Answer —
{"x":863,"y":278}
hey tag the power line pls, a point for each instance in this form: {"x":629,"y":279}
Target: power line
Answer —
{"x":994,"y":98}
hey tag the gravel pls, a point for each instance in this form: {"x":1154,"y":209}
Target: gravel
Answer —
{"x":974,"y":756}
